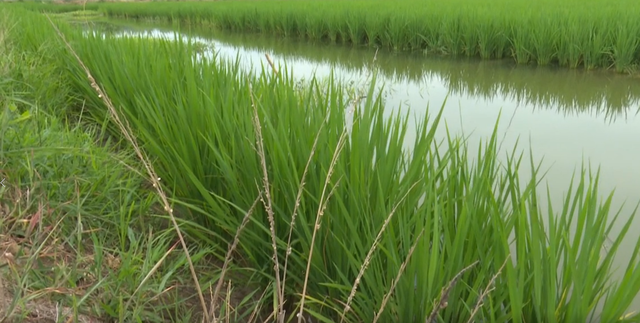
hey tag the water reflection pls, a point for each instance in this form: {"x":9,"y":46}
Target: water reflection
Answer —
{"x":598,"y":93}
{"x":569,"y":91}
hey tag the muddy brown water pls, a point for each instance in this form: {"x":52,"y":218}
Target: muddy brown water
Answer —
{"x":566,"y":117}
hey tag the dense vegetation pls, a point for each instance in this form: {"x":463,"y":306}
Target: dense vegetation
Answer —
{"x":571,"y":33}
{"x":362,"y":229}
{"x":78,"y":227}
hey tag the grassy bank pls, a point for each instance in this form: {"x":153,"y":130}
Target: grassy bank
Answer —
{"x":80,"y":235}
{"x":326,"y":207}
{"x":571,"y":33}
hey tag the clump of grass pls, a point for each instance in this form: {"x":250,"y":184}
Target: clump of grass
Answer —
{"x":71,"y":227}
{"x":376,"y":227}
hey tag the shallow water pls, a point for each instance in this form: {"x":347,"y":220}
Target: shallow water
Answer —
{"x":566,"y":117}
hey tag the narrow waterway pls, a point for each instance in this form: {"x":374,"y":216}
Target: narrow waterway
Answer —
{"x":566,"y":117}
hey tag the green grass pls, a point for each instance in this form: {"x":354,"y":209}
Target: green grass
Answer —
{"x":369,"y":217}
{"x":569,"y":33}
{"x":79,"y":229}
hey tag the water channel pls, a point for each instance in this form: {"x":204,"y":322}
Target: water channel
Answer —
{"x":566,"y":117}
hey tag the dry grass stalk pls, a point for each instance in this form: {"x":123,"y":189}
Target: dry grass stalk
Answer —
{"x":395,"y":281}
{"x":360,"y":94}
{"x":323,"y":203}
{"x":228,"y":302}
{"x":126,"y":131}
{"x":338,"y":149}
{"x":367,"y":259}
{"x":486,"y":291}
{"x":268,"y":206}
{"x":273,"y":67}
{"x":230,"y":250}
{"x":297,"y":205}
{"x":444,"y":295}
{"x":256,"y":310}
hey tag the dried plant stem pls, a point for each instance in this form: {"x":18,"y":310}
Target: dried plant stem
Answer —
{"x":256,"y":309}
{"x":228,"y":302}
{"x":321,"y":208}
{"x":444,"y":295}
{"x":126,"y":131}
{"x":486,"y":291}
{"x":360,"y":95}
{"x":273,"y":67}
{"x":367,"y":259}
{"x":268,"y":205}
{"x":299,"y":194}
{"x":227,"y":259}
{"x":395,"y":281}
{"x":297,"y":205}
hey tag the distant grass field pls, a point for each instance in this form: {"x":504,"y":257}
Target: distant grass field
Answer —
{"x":571,"y":33}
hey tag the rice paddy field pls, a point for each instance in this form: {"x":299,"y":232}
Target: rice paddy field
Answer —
{"x":570,"y":33}
{"x":300,"y":196}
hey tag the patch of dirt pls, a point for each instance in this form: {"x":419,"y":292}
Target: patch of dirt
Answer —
{"x":37,"y":310}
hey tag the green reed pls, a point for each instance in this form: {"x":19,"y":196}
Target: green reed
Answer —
{"x":195,"y":120}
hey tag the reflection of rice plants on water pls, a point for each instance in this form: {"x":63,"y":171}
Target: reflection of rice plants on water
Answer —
{"x":571,"y":91}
